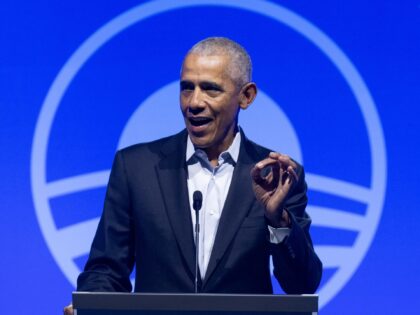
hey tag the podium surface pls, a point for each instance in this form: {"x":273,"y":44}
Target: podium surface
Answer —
{"x":95,"y":303}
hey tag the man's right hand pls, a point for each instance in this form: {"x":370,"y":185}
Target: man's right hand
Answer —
{"x":68,"y":310}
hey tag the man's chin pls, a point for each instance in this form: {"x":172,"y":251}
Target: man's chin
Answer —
{"x":200,"y":144}
{"x":198,"y":140}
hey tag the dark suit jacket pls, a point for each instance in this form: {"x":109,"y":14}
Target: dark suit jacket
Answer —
{"x":147,"y":222}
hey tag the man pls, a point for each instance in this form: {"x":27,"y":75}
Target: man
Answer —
{"x":253,"y":200}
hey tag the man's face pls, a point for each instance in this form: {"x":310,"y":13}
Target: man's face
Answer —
{"x":209,"y":102}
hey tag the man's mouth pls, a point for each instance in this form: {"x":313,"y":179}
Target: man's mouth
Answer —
{"x":199,"y":121}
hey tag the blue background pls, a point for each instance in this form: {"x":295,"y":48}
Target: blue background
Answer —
{"x":382,"y":39}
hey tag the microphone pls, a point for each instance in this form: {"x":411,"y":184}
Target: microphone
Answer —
{"x":197,"y":203}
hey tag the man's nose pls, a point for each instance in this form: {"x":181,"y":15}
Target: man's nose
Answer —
{"x":197,"y":100}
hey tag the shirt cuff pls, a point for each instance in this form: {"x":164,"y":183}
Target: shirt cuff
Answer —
{"x":277,"y":235}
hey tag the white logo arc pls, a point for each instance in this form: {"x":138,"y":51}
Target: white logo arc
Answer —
{"x":373,"y":196}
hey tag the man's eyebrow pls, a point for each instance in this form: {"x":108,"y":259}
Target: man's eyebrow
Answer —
{"x":186,"y":83}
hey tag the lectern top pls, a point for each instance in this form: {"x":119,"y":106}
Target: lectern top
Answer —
{"x":283,"y":304}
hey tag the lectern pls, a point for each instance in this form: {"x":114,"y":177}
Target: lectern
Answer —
{"x":94,"y":303}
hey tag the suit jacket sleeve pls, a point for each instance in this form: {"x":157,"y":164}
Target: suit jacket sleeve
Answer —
{"x":111,"y":257}
{"x":296,"y":266}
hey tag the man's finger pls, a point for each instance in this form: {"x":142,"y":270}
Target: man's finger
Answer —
{"x":286,"y":161}
{"x":266,"y":162}
{"x":256,"y":175}
{"x":283,"y":158}
{"x":256,"y":171}
{"x":283,"y":175}
{"x":283,"y":188}
{"x":68,"y":310}
{"x":293,"y":173}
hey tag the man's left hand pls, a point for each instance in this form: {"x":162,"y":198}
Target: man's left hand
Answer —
{"x":272,"y":189}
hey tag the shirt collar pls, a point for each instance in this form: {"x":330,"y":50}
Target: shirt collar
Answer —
{"x":233,"y":150}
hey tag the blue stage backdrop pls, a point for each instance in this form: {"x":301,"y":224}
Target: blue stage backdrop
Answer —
{"x":338,"y":90}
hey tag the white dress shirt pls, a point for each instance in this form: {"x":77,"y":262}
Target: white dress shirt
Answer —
{"x":214,"y":183}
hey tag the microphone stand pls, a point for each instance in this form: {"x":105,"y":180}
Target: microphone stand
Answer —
{"x":197,"y":203}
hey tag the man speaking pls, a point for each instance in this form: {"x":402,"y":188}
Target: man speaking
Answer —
{"x":253,"y":200}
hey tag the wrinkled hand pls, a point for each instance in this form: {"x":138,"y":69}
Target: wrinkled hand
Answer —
{"x":68,"y":310}
{"x":272,"y":189}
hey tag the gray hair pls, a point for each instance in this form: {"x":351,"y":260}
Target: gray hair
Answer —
{"x":240,"y":67}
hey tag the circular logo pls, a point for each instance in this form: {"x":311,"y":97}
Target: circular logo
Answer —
{"x":72,"y":241}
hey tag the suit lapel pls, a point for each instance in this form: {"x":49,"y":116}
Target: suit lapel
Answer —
{"x":238,"y":202}
{"x":172,"y":175}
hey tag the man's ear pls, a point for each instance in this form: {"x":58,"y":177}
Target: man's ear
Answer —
{"x":247,"y":95}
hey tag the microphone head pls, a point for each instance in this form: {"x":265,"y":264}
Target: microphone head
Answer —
{"x":197,"y":200}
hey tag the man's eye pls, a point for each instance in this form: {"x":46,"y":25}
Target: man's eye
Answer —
{"x":212,"y":89}
{"x":186,"y":88}
{"x":213,"y":92}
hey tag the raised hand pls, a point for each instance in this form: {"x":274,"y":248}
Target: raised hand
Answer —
{"x":272,"y":188}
